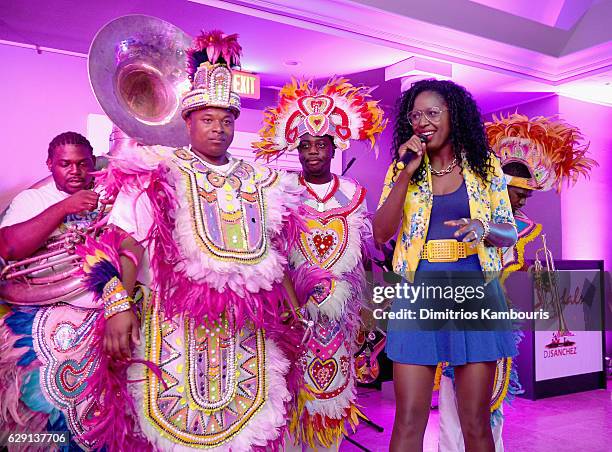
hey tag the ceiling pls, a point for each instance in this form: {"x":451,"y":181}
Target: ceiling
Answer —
{"x":72,"y":25}
{"x":498,"y":49}
{"x":562,"y":14}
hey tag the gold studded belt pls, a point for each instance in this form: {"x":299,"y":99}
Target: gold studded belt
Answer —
{"x":448,"y":250}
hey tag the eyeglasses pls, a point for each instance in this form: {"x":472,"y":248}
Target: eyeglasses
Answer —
{"x":431,"y":114}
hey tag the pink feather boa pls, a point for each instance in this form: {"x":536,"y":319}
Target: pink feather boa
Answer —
{"x":14,"y":414}
{"x":114,"y":425}
{"x":307,"y":276}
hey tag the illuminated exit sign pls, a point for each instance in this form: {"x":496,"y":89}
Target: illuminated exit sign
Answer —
{"x":245,"y":84}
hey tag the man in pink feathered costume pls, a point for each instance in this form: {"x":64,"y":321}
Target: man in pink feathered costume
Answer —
{"x":45,"y":322}
{"x":210,"y":358}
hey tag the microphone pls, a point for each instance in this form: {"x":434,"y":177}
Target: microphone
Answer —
{"x":409,"y":155}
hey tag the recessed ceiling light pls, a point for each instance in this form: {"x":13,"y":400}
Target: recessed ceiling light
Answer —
{"x":292,"y":63}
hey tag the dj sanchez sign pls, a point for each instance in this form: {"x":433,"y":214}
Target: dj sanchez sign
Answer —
{"x":565,"y":346}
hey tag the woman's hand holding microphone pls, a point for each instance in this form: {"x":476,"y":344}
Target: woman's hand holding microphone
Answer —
{"x":411,"y":154}
{"x":389,"y":215}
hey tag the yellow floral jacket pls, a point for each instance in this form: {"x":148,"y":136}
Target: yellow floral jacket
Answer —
{"x":488,"y":201}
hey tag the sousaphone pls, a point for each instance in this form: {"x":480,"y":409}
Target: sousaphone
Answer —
{"x":138,"y":72}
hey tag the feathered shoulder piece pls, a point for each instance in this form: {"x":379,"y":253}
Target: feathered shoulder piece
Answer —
{"x":553,"y":151}
{"x":339,"y":109}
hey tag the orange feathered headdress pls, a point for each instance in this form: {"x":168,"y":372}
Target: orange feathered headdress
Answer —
{"x":338,"y":109}
{"x":552,"y":150}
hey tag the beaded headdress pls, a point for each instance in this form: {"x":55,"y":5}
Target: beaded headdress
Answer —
{"x":552,"y":150}
{"x":338,"y":109}
{"x":210,"y":61}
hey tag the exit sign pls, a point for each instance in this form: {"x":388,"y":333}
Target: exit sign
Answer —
{"x":245,"y":84}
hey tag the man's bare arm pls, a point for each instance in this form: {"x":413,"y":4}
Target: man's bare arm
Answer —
{"x":23,"y":239}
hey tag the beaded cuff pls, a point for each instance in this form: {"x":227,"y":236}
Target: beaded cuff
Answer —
{"x":115,"y":297}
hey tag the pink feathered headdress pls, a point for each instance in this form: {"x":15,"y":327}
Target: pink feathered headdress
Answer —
{"x":210,"y":61}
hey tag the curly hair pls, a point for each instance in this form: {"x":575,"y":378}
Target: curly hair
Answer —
{"x":68,"y":138}
{"x":467,"y":132}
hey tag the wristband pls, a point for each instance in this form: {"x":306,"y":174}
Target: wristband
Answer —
{"x":487,"y":229}
{"x":115,"y":298}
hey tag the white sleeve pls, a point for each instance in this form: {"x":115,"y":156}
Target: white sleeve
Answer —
{"x":364,"y":205}
{"x":25,"y":206}
{"x":366,"y":231}
{"x":133,"y":213}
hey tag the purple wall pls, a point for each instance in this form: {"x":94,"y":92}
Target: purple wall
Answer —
{"x":42,"y":96}
{"x":367,"y":169}
{"x":586,"y":212}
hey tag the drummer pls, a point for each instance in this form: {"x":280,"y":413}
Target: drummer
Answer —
{"x":36,"y":214}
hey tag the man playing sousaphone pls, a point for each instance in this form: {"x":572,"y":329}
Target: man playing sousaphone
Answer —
{"x":35,"y":214}
{"x":47,"y":323}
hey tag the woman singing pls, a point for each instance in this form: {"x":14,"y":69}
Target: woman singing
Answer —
{"x":451,"y":199}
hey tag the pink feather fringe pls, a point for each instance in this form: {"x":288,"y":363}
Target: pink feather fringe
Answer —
{"x":305,"y":278}
{"x":115,"y":425}
{"x":14,"y":413}
{"x":109,"y":243}
{"x":288,"y":338}
{"x":293,"y":226}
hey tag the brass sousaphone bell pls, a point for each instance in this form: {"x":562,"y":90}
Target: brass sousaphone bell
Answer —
{"x":138,"y":72}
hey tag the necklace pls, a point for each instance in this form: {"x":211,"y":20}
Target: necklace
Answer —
{"x":229,"y":166}
{"x":321,"y":200}
{"x":447,"y":170}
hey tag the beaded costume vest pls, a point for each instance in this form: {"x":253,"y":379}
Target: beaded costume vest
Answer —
{"x":228,"y":208}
